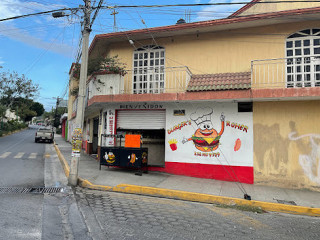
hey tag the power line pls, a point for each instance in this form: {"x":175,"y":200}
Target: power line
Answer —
{"x":208,"y":4}
{"x":159,"y":6}
{"x":39,"y":13}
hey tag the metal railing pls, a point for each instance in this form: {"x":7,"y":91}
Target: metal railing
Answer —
{"x":291,"y":72}
{"x":156,"y":80}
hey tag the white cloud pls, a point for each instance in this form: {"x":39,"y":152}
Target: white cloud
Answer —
{"x":1,"y":62}
{"x":25,"y":37}
{"x":216,"y":12}
{"x":40,"y":39}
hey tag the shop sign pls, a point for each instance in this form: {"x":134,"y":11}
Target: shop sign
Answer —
{"x":141,"y":106}
{"x":179,"y":112}
{"x":211,"y":134}
{"x":109,"y":127}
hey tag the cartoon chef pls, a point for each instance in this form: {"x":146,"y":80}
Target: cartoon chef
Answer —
{"x":205,"y":138}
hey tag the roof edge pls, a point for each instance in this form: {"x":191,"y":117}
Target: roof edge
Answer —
{"x":244,"y":8}
{"x":222,"y":21}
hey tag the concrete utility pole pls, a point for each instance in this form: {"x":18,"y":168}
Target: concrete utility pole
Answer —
{"x":73,"y":176}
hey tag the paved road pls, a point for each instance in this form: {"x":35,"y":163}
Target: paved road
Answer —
{"x":127,"y":216}
{"x":26,"y":164}
{"x":21,"y":160}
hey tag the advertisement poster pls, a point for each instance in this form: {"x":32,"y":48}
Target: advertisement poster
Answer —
{"x":76,"y":142}
{"x":212,"y":133}
{"x":109,"y":127}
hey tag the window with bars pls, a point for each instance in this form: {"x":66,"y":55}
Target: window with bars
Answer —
{"x":303,"y":59}
{"x":148,"y":70}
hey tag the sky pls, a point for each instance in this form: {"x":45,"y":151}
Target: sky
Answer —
{"x":43,"y":48}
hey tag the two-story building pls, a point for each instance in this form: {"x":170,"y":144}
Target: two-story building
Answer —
{"x":235,"y":99}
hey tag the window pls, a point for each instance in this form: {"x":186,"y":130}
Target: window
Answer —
{"x":148,"y":70}
{"x":303,"y":59}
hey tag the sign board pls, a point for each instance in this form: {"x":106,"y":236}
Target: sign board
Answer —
{"x":109,"y":127}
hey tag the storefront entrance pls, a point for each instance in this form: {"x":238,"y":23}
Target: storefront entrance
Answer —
{"x":151,"y":125}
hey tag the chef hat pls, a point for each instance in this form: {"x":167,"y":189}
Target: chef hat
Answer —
{"x":202,"y":115}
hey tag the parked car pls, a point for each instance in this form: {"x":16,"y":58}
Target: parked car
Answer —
{"x":44,"y":134}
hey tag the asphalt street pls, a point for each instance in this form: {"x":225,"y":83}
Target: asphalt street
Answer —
{"x":21,"y":160}
{"x":25,"y":164}
{"x":90,"y":214}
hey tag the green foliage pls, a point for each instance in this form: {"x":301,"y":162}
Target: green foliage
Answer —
{"x":58,"y":131}
{"x":13,"y":86}
{"x":11,"y":126}
{"x":2,"y":111}
{"x":108,"y":65}
{"x":38,"y":108}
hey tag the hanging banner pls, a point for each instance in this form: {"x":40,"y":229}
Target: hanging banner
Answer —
{"x":109,"y":127}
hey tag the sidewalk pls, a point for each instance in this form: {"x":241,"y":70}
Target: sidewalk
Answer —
{"x":189,"y":188}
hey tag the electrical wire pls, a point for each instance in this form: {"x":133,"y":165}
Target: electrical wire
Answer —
{"x":238,"y":183}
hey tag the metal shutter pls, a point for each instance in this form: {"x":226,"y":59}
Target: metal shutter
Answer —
{"x":141,"y":119}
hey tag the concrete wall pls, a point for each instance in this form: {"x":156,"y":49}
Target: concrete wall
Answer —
{"x":287,"y":144}
{"x":219,"y":52}
{"x":275,"y":7}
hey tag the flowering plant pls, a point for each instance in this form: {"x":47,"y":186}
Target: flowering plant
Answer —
{"x":108,"y":65}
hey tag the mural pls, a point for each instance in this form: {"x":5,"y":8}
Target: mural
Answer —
{"x":310,"y":163}
{"x":205,"y":138}
{"x":213,"y":134}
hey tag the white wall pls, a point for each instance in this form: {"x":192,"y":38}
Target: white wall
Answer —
{"x":225,"y":154}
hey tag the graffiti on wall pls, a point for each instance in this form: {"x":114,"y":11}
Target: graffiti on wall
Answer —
{"x":310,"y":163}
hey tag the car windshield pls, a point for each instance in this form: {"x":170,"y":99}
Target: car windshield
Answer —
{"x":44,"y":129}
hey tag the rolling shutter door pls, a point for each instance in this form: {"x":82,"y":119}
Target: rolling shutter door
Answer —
{"x":141,"y":119}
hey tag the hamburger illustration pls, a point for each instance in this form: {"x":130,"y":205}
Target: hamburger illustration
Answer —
{"x":110,"y":157}
{"x":205,"y":138}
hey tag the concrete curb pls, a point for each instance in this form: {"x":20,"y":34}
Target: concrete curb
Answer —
{"x":63,"y":161}
{"x":190,"y":196}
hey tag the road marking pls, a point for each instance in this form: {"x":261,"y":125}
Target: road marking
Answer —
{"x":19,"y":155}
{"x":33,"y":155}
{"x":46,"y":155}
{"x":6,"y":154}
{"x":238,"y":217}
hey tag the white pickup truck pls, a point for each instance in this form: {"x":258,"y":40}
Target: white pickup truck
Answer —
{"x":44,"y":134}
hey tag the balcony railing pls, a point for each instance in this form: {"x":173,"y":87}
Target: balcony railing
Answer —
{"x":157,"y":80}
{"x":141,"y":81}
{"x":293,"y":72}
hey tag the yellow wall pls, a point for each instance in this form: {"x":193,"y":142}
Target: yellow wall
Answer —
{"x":275,"y":7}
{"x":72,"y":84}
{"x":220,"y":52}
{"x":280,"y":159}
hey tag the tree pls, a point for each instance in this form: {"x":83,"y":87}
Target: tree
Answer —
{"x":38,"y":108}
{"x":14,"y":86}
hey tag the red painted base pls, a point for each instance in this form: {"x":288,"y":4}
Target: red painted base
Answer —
{"x":218,"y":172}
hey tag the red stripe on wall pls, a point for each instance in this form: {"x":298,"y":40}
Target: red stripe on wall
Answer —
{"x":218,"y":172}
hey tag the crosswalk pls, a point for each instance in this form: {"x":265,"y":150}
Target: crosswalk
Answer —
{"x":19,"y":155}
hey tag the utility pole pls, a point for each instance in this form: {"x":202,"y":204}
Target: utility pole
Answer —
{"x":115,"y":28}
{"x":55,"y":121}
{"x":73,"y":175}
